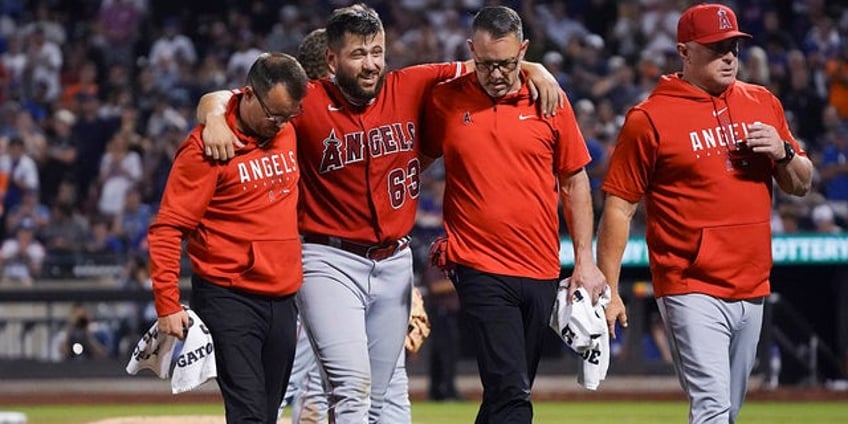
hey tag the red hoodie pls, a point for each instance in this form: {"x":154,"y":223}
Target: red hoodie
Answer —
{"x":708,"y":216}
{"x":240,"y":218}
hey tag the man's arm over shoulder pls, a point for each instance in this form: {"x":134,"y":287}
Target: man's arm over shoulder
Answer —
{"x":220,"y":141}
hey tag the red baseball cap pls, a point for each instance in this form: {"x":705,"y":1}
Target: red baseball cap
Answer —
{"x":708,"y":23}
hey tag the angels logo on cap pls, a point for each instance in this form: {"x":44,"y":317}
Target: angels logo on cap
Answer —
{"x":708,"y":23}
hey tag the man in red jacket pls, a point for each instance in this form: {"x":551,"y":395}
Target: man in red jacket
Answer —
{"x":240,"y":219}
{"x":702,"y":151}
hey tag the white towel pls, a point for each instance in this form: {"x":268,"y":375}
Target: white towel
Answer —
{"x":193,"y":360}
{"x":583,"y":327}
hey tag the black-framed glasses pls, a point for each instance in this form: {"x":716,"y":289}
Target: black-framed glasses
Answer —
{"x":505,"y":66}
{"x":277,"y":119}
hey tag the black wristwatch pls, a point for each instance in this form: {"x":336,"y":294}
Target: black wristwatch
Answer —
{"x":790,"y":154}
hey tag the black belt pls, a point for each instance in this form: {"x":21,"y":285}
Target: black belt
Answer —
{"x":376,"y":252}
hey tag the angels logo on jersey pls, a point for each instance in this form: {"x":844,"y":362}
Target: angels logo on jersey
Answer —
{"x":353,"y":146}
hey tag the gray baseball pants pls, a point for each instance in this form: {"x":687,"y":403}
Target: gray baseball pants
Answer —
{"x":714,"y":345}
{"x":356,"y":311}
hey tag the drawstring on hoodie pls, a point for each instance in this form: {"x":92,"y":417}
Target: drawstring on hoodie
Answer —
{"x":737,"y":150}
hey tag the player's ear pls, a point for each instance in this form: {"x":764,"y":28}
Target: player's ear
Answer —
{"x":683,"y":51}
{"x":330,"y":56}
{"x":523,"y":49}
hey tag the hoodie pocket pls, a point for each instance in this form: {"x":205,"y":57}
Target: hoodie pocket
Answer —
{"x":273,"y":261}
{"x":734,"y":256}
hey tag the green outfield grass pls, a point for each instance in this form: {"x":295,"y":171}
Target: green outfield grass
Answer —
{"x":464,"y":412}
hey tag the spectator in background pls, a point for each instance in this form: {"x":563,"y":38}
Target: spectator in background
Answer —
{"x":21,"y":256}
{"x":755,"y":68}
{"x":824,"y":220}
{"x":118,"y":28}
{"x":21,"y":173}
{"x":837,"y":76}
{"x":132,"y":221}
{"x":170,"y":52}
{"x":163,"y":115}
{"x":79,"y":340}
{"x":120,"y":169}
{"x":29,"y":210}
{"x":15,"y":62}
{"x":86,"y":83}
{"x":242,"y":57}
{"x":63,"y":238}
{"x":91,"y":133}
{"x":101,"y":246}
{"x":799,"y":97}
{"x":834,"y":170}
{"x":32,"y":135}
{"x":787,"y":216}
{"x":584,"y":112}
{"x":43,"y":64}
{"x":61,"y":155}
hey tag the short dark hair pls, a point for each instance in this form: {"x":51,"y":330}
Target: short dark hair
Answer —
{"x":310,"y":54}
{"x":358,"y":19}
{"x":499,"y":21}
{"x":271,"y":69}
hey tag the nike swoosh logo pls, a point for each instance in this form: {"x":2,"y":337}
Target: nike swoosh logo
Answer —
{"x":332,"y":108}
{"x":525,"y":117}
{"x":719,"y":112}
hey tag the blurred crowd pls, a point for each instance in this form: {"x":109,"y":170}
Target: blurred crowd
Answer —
{"x":96,"y":95}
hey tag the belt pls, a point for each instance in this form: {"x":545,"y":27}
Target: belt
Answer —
{"x":376,"y":252}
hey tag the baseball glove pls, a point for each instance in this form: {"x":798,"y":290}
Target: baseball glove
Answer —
{"x":419,"y":323}
{"x":439,"y":255}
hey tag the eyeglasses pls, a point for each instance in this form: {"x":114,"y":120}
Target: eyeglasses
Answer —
{"x":505,"y":66}
{"x":277,"y":119}
{"x":722,"y":47}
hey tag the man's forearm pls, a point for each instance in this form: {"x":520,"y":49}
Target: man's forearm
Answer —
{"x":214,"y":103}
{"x":613,"y":233}
{"x":796,"y":176}
{"x":577,"y":207}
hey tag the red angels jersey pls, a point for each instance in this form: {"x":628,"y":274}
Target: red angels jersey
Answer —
{"x":240,"y":218}
{"x":359,"y":166}
{"x":708,"y":209}
{"x":502,"y":163}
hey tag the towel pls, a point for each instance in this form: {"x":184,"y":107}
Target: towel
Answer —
{"x":583,"y":327}
{"x":192,"y":360}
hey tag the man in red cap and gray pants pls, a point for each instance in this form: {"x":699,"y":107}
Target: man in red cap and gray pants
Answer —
{"x":703,"y":151}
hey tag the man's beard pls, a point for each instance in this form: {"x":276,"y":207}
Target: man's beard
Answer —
{"x":354,"y":93}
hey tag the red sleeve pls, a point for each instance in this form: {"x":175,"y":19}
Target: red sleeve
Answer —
{"x":572,"y":153}
{"x":190,"y":187}
{"x":432,"y":126}
{"x":632,"y":161}
{"x":433,"y":73}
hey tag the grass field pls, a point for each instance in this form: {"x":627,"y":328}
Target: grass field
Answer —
{"x":464,"y":412}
